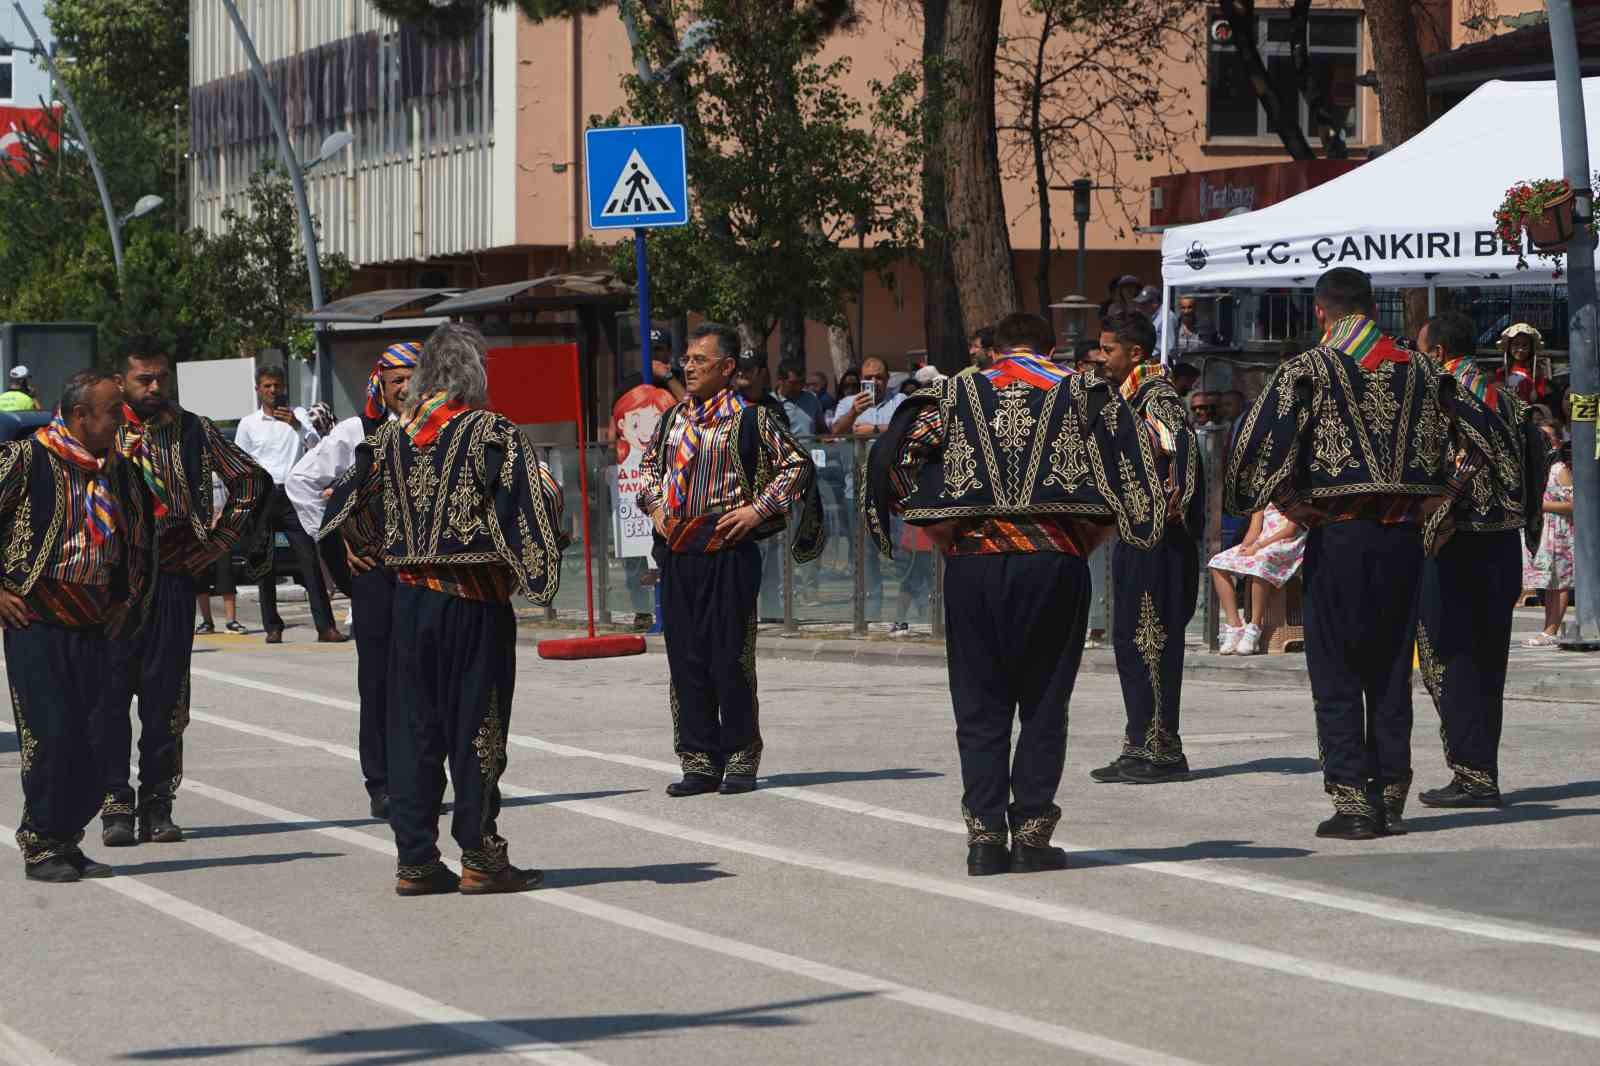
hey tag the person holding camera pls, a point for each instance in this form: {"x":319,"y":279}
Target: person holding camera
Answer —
{"x":276,"y":436}
{"x":867,"y":413}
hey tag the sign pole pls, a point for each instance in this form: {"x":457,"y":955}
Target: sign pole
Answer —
{"x":1581,"y":311}
{"x":641,"y":263}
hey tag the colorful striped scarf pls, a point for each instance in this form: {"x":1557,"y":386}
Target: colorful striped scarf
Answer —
{"x":137,"y":449}
{"x":698,"y":416}
{"x":430,"y":416}
{"x":1138,"y":376}
{"x":1360,"y":338}
{"x":1025,"y":365}
{"x":100,"y":510}
{"x":395,"y":357}
{"x":1474,"y":381}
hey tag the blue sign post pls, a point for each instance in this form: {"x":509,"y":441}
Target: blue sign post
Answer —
{"x":637,"y":178}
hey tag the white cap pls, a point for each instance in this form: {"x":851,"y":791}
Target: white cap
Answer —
{"x":18,"y":373}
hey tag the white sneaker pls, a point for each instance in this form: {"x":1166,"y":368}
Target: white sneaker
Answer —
{"x":1230,"y":639}
{"x":899,"y":630}
{"x":1249,"y":640}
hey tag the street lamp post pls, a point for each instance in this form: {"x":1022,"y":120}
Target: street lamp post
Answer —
{"x":323,"y":381}
{"x":1082,"y":201}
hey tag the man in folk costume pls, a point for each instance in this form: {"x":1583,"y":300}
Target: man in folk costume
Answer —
{"x":1354,"y":439}
{"x":451,"y":500}
{"x":367,"y":581}
{"x":1017,"y":471}
{"x":1154,"y":587}
{"x":1470,"y":588}
{"x":720,"y":475}
{"x":79,"y":562}
{"x":175,"y":453}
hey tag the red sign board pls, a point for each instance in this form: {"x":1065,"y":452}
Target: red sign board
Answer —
{"x":13,"y":119}
{"x":535,"y":383}
{"x":1181,"y":199}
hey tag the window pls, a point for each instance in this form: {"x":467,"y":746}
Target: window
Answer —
{"x":5,"y":75}
{"x":1333,"y":47}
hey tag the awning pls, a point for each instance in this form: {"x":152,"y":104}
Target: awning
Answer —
{"x":555,"y":291}
{"x":377,"y":305}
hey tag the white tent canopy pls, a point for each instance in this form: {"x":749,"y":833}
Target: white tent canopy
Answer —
{"x":1420,"y":214}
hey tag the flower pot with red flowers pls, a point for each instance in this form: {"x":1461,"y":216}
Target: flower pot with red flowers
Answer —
{"x":1544,"y":209}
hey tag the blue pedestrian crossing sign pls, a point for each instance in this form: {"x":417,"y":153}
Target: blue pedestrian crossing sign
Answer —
{"x":636,"y":177}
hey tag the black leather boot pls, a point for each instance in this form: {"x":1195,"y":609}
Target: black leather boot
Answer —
{"x":156,"y":825}
{"x":116,"y":831}
{"x":984,"y":860}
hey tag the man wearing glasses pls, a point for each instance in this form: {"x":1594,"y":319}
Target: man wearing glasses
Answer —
{"x":1203,"y":408}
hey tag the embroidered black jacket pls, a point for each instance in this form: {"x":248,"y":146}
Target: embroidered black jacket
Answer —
{"x":476,"y":496}
{"x":1074,"y":450}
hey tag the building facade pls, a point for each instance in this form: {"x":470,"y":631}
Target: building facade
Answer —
{"x":467,"y":163}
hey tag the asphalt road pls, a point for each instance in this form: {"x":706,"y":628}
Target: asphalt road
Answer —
{"x":825,"y":918}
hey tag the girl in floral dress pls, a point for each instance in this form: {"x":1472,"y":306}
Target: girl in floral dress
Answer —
{"x":1552,"y":567}
{"x":1269,"y":555}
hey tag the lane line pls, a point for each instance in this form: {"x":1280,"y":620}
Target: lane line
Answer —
{"x":1560,"y":1019}
{"x":19,"y":1050}
{"x":474,"y":1027}
{"x":1056,"y":1035}
{"x":1371,"y":907}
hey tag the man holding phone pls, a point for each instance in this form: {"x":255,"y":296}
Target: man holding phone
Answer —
{"x":276,"y":436}
{"x":867,"y":413}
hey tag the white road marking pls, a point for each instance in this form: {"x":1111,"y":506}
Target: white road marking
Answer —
{"x":18,"y":1050}
{"x":1557,"y":1018}
{"x":1056,"y":1035}
{"x":478,"y":1029}
{"x":1371,"y":907}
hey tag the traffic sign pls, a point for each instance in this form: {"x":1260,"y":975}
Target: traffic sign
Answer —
{"x":636,"y":177}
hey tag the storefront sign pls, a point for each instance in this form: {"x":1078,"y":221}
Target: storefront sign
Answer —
{"x":1182,"y":199}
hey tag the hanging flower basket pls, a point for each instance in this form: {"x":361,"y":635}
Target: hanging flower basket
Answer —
{"x":1542,"y":208}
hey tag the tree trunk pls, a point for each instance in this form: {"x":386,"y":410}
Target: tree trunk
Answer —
{"x":981,"y":249}
{"x":1397,"y":61}
{"x":792,"y":335}
{"x":1402,"y":97}
{"x":841,"y":350}
{"x":1282,"y":115}
{"x":942,"y":327}
{"x":1041,"y":170}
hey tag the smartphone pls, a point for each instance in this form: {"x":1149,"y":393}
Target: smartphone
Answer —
{"x":870,"y":391}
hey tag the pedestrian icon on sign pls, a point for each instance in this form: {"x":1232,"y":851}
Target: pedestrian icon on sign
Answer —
{"x":637,"y":192}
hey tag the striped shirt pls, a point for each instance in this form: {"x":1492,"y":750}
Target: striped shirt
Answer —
{"x":80,"y":560}
{"x":713,"y":472}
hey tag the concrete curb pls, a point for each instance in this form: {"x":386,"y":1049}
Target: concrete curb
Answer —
{"x":1254,"y":672}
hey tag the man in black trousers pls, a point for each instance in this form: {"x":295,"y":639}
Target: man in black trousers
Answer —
{"x":1354,"y":439}
{"x":1017,"y":471}
{"x":1153,"y":589}
{"x":1470,"y":589}
{"x":175,"y":452}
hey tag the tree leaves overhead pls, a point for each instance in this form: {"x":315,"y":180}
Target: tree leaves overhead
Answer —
{"x":136,"y":49}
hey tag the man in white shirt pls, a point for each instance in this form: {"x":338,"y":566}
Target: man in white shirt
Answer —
{"x":276,"y":436}
{"x":371,"y":585}
{"x":867,"y":413}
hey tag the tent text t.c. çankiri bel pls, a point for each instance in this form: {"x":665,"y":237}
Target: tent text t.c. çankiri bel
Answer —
{"x":1418,"y":215}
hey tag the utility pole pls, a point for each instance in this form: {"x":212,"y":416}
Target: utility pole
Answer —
{"x":1583,"y":364}
{"x":323,"y":382}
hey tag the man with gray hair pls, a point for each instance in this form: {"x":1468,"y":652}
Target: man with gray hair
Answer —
{"x":467,"y":515}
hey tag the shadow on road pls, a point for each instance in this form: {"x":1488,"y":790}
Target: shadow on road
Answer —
{"x":838,"y":777}
{"x":666,"y":873}
{"x":172,"y":866}
{"x":1277,"y":765}
{"x":1200,"y":849}
{"x":1546,"y":793}
{"x":250,"y":829}
{"x":403,"y":1044}
{"x":1519,"y":812}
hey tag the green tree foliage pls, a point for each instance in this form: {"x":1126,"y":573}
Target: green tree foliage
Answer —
{"x":254,"y":279}
{"x":138,"y":49}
